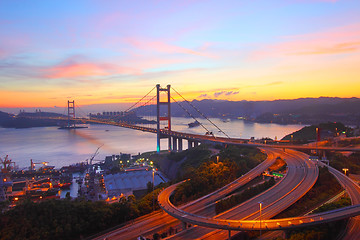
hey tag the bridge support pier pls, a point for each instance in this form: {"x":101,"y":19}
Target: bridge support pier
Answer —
{"x":190,"y":144}
{"x":184,"y":224}
{"x":180,"y":144}
{"x":169,"y":140}
{"x":229,"y":234}
{"x":174,"y":144}
{"x":286,"y":234}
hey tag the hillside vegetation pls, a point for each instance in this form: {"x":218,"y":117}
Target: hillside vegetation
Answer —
{"x":65,"y":219}
{"x":212,"y":174}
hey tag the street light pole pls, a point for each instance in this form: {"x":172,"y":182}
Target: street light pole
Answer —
{"x":317,"y":134}
{"x":345,"y":170}
{"x":153,"y":173}
{"x":260,"y":204}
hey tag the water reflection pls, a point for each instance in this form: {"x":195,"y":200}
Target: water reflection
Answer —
{"x":64,"y":147}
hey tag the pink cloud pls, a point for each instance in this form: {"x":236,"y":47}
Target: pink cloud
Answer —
{"x":145,"y":61}
{"x":86,"y":69}
{"x":329,"y":1}
{"x":3,"y":53}
{"x":334,"y":41}
{"x":11,"y":45}
{"x":163,"y":47}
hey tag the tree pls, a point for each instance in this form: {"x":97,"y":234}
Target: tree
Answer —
{"x":149,"y":186}
{"x":67,"y":196}
{"x":156,"y":236}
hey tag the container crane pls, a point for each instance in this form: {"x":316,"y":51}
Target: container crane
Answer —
{"x":5,"y":181}
{"x":94,"y":155}
{"x":6,"y":162}
{"x":32,"y":164}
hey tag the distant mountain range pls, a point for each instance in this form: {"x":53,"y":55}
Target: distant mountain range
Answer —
{"x":43,"y":119}
{"x":302,"y":110}
{"x":24,"y":120}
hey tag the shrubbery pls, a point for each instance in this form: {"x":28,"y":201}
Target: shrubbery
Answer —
{"x":211,"y":175}
{"x":325,"y":187}
{"x":323,"y":231}
{"x":340,"y":161}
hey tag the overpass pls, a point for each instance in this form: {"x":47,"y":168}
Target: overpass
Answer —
{"x":302,"y":175}
{"x":246,"y":225}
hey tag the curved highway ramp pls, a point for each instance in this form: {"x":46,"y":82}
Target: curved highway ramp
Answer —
{"x":238,"y":225}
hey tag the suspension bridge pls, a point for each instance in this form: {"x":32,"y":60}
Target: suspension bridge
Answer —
{"x":155,"y":108}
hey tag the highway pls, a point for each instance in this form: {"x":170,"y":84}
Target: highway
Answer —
{"x":353,"y":189}
{"x":161,"y":221}
{"x":274,"y":224}
{"x":302,"y":175}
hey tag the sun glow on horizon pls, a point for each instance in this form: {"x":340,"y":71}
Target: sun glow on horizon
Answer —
{"x":103,"y":55}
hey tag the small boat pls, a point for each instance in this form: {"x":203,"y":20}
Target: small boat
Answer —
{"x":194,"y":124}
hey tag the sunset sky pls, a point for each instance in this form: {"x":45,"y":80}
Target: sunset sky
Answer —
{"x":100,"y":52}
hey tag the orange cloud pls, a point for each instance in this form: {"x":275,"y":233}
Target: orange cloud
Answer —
{"x":334,"y":49}
{"x":20,"y":99}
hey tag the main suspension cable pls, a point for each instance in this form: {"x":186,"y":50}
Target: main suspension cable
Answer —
{"x":81,"y":111}
{"x":190,"y":114}
{"x":201,"y":113}
{"x":140,"y":100}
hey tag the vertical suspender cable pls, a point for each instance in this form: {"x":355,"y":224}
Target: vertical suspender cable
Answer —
{"x":201,"y":113}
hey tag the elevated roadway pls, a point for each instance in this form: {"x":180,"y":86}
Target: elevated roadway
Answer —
{"x":238,"y":225}
{"x":161,"y":220}
{"x":353,"y":190}
{"x":301,"y":176}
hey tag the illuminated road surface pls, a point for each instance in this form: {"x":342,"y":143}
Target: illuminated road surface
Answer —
{"x":302,"y":175}
{"x":353,"y":189}
{"x":274,"y":224}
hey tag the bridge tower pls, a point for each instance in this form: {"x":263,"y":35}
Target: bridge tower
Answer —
{"x":160,"y":118}
{"x":71,"y":114}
